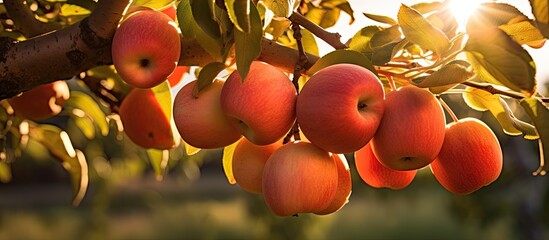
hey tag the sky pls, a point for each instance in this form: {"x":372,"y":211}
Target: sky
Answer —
{"x":390,"y":8}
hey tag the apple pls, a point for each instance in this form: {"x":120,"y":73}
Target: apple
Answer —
{"x":171,"y":11}
{"x":144,"y":121}
{"x":177,"y":75}
{"x":299,"y":177}
{"x":344,"y":186}
{"x":248,"y":163}
{"x":340,"y":108}
{"x":412,"y":129}
{"x":373,"y":173}
{"x":41,"y":102}
{"x":146,"y":48}
{"x":200,"y":121}
{"x":470,"y":157}
{"x":262,"y":106}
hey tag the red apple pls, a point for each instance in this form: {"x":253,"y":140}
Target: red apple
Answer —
{"x":144,"y":121}
{"x":412,"y":129}
{"x":146,"y":48}
{"x":200,"y":121}
{"x":299,"y":178}
{"x":376,"y":175}
{"x":248,"y":164}
{"x":470,"y":157}
{"x":262,"y":106}
{"x":340,"y":108}
{"x":344,"y":186}
{"x":177,"y":75}
{"x":171,"y":11}
{"x":41,"y":102}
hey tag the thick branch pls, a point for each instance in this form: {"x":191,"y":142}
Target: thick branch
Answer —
{"x":331,"y":38}
{"x":24,"y":19}
{"x":60,"y":54}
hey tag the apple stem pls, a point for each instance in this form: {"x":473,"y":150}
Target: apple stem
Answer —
{"x":448,"y":109}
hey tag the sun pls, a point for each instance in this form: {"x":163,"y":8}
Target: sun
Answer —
{"x":462,"y":9}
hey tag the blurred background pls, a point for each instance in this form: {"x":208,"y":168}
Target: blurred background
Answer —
{"x":195,"y":200}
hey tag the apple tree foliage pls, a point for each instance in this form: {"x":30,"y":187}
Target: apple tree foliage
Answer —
{"x":487,"y":63}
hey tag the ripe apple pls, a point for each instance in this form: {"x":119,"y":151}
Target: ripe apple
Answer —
{"x":171,"y":11}
{"x":262,"y":106}
{"x":344,"y":186}
{"x":200,"y":121}
{"x":470,"y":157}
{"x":41,"y":102}
{"x":146,"y":48}
{"x":248,"y":163}
{"x":340,"y":108}
{"x":376,"y":175}
{"x":144,"y":121}
{"x":412,"y":129}
{"x":299,"y":177}
{"x":177,"y":75}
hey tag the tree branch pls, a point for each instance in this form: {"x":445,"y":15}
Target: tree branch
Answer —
{"x":60,"y":54}
{"x":331,"y":38}
{"x":24,"y":20}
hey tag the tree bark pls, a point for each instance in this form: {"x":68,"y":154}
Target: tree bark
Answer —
{"x":59,"y":54}
{"x":67,"y":52}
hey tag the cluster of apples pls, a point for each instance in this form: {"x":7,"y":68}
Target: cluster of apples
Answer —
{"x":342,"y":109}
{"x":146,"y":49}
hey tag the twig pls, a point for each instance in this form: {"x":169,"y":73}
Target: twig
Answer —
{"x":448,"y":109}
{"x":302,"y":61}
{"x":24,"y":20}
{"x":333,"y":39}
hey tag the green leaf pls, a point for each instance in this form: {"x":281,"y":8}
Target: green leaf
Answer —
{"x":163,"y":95}
{"x":523,"y":32}
{"x":206,"y":76}
{"x":185,"y":17}
{"x":202,"y":14}
{"x":59,"y":145}
{"x":539,"y":113}
{"x":280,"y":8}
{"x":87,"y":104}
{"x":309,"y":42}
{"x":527,"y":129}
{"x":480,"y":100}
{"x":382,"y":55}
{"x":420,"y":31}
{"x":154,"y":4}
{"x":445,"y":21}
{"x":227,"y":160}
{"x":386,"y":36}
{"x":540,"y":9}
{"x":346,"y":8}
{"x":189,"y":149}
{"x":239,"y":13}
{"x":84,"y":122}
{"x":493,"y":14}
{"x":159,"y":162}
{"x":325,"y":18}
{"x":503,"y":58}
{"x":448,"y":76}
{"x":212,"y":45}
{"x":427,"y":7}
{"x":5,"y":172}
{"x":381,"y":18}
{"x":341,"y":56}
{"x":360,"y":42}
{"x":73,"y":10}
{"x":248,"y":45}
